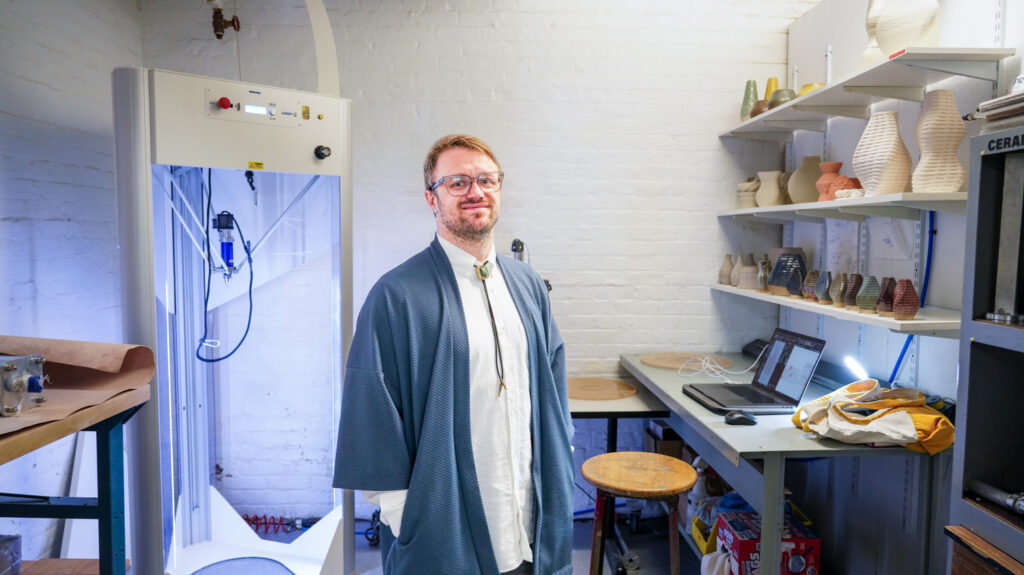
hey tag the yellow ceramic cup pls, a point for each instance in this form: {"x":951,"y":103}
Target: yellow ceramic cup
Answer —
{"x":806,"y":88}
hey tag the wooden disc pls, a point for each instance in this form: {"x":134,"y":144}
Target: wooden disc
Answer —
{"x":675,"y":360}
{"x":599,"y":388}
{"x":638,"y":474}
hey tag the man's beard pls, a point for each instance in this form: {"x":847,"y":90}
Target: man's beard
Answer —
{"x":467,"y":230}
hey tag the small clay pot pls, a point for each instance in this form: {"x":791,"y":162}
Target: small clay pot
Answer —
{"x":852,"y":289}
{"x":885,"y":297}
{"x":838,"y":290}
{"x":780,"y":97}
{"x":905,"y":301}
{"x":809,"y":282}
{"x":829,"y":172}
{"x":760,"y":107}
{"x":821,"y":289}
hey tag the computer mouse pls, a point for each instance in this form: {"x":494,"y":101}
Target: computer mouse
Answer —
{"x":738,"y":417}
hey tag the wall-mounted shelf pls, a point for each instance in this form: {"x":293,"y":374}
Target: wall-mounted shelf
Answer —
{"x":905,"y":206}
{"x":932,"y":321}
{"x":904,"y":75}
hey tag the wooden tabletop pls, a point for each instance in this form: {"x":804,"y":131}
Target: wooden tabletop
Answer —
{"x":14,"y":445}
{"x":639,"y":474}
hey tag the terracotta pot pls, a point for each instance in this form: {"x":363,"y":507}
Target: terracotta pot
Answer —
{"x":725,"y":272}
{"x":821,"y":288}
{"x":829,"y":172}
{"x":852,"y":289}
{"x":885,"y":294}
{"x":905,"y":301}
{"x":760,"y":107}
{"x":868,"y":295}
{"x":801,"y":183}
{"x":838,"y":290}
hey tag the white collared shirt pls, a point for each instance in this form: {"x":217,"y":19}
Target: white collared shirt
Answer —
{"x":499,"y":425}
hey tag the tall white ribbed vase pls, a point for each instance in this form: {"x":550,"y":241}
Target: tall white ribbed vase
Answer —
{"x":871,"y":52}
{"x":906,"y":23}
{"x":881,"y":161}
{"x":939,"y":132}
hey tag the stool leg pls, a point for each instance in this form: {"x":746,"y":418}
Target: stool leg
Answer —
{"x":601,"y":507}
{"x":673,"y":533}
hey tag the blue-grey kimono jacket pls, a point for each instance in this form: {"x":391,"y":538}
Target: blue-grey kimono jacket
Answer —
{"x":405,"y":421}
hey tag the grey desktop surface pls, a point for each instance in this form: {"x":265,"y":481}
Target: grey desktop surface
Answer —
{"x":772,"y":434}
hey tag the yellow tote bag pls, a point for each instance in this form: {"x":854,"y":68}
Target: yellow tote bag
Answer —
{"x":864,"y":412}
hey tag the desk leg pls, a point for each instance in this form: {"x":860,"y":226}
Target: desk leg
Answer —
{"x":772,"y":517}
{"x":110,"y":474}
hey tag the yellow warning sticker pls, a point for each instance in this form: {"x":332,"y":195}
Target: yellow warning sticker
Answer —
{"x":255,"y":165}
{"x":305,"y":112}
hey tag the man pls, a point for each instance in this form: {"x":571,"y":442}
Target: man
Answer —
{"x":455,"y":415}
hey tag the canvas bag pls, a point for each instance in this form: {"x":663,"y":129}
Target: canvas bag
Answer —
{"x":864,"y":412}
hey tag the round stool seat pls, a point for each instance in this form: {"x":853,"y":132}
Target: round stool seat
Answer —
{"x":638,"y":474}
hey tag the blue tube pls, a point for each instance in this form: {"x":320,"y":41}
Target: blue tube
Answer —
{"x":924,"y":293}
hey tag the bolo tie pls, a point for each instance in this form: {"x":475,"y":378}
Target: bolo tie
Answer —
{"x":483,"y":272}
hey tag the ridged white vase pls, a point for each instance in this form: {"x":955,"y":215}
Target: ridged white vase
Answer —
{"x":872,"y":53}
{"x":905,"y":23}
{"x":769,"y":194}
{"x":939,"y":132}
{"x":881,"y":161}
{"x":801,"y":183}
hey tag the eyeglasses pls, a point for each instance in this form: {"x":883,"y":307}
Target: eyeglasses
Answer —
{"x":460,"y":184}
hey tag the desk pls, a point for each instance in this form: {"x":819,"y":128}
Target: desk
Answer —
{"x":642,"y":405}
{"x":752,"y":459}
{"x":107,"y":420}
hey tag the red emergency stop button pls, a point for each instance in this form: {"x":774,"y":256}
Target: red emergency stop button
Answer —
{"x":224,"y":103}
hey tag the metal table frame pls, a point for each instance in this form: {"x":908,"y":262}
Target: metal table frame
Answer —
{"x":108,"y":506}
{"x":752,"y":459}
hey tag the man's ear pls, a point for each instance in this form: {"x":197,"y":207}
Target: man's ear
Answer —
{"x":431,"y":200}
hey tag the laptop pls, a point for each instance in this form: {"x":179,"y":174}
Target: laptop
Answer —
{"x":786,"y":367}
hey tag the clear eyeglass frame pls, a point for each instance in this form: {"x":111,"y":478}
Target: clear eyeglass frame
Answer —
{"x":460,"y":184}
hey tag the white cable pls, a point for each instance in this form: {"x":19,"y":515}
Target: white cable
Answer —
{"x":709,"y":367}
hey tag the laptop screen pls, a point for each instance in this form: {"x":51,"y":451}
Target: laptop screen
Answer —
{"x":789,"y":362}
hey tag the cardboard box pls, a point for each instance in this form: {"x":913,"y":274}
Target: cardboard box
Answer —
{"x":740,"y":534}
{"x":670,"y":447}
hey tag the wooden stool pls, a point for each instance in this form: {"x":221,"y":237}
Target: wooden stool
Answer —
{"x":637,"y":475}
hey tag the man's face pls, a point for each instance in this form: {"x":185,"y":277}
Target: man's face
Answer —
{"x":472,"y":216}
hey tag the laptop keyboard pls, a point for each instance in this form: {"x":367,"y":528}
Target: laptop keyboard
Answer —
{"x":749,"y":393}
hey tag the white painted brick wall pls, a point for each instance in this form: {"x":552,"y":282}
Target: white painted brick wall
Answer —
{"x":58,"y":247}
{"x":605,"y":117}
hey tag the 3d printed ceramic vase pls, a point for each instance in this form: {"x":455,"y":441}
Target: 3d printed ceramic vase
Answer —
{"x":868,"y":295}
{"x":807,"y":291}
{"x":871,"y":52}
{"x":838,"y":290}
{"x":885,"y":295}
{"x":881,"y":161}
{"x":780,"y":97}
{"x":905,"y":302}
{"x":760,"y":107}
{"x":939,"y":132}
{"x":770,"y":87}
{"x":764,"y":269}
{"x":784,"y":187}
{"x":745,"y":192}
{"x":795,"y":285}
{"x":787,"y":266}
{"x":852,"y":289}
{"x":734,"y":274}
{"x":906,"y":23}
{"x":801,"y":183}
{"x":829,"y":172}
{"x":769,"y":193}
{"x":749,"y":97}
{"x":725,"y":272}
{"x":747,"y":273}
{"x":821,"y":288}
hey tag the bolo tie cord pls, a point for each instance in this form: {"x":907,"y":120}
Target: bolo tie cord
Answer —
{"x":483,"y":272}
